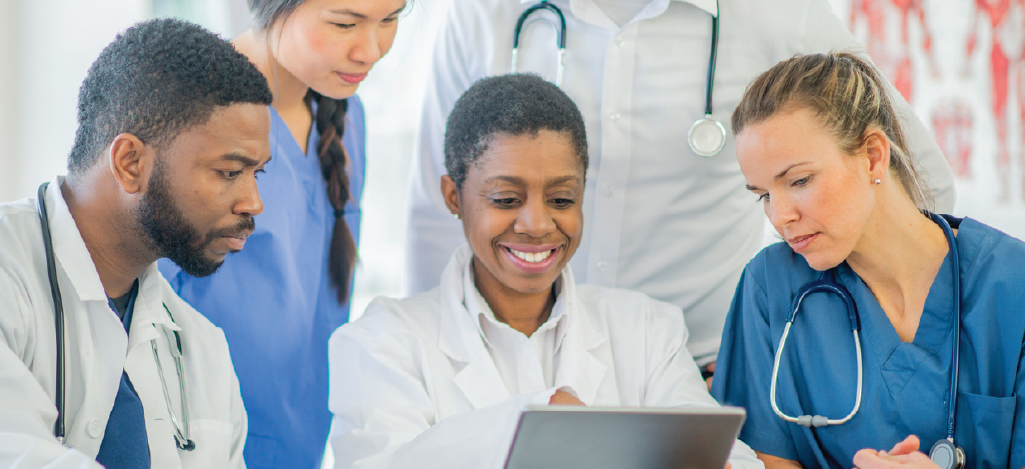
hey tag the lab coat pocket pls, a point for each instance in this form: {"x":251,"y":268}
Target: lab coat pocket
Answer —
{"x":983,"y":428}
{"x":213,"y":444}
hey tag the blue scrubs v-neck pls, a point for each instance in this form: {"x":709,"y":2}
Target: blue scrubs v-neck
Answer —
{"x":906,"y":385}
{"x":275,"y":302}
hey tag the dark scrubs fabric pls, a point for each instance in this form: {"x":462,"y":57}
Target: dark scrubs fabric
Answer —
{"x":275,"y":302}
{"x":125,"y":444}
{"x":906,"y":385}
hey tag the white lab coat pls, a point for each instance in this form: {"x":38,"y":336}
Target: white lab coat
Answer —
{"x":97,"y":350}
{"x":414,"y":386}
{"x":660,"y":219}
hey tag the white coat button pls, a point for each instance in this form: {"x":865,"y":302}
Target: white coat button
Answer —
{"x":94,"y":428}
{"x":602,"y":265}
{"x":609,"y":190}
{"x":620,"y":42}
{"x":614,"y":116}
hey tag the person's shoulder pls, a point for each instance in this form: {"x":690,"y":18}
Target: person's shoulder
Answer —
{"x":776,"y":260}
{"x":20,"y":238}
{"x":987,"y":249}
{"x":18,"y":220}
{"x":419,"y":313}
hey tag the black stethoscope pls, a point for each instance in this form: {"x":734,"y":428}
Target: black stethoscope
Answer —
{"x":944,"y":453}
{"x":181,"y":436}
{"x":706,"y":136}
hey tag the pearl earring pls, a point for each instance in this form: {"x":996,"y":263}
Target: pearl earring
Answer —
{"x":877,"y":181}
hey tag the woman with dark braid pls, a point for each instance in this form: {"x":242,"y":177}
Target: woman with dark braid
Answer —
{"x":279,"y":300}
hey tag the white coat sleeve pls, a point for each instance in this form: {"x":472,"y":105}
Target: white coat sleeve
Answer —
{"x":384,"y":416}
{"x":240,"y":425}
{"x":27,"y":411}
{"x":825,"y":32}
{"x":433,"y":233}
{"x":674,"y":379}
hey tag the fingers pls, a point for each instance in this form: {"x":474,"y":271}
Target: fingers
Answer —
{"x":909,"y":445}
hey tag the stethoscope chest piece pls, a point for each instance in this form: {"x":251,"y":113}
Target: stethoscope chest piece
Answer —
{"x":706,"y":137}
{"x":947,"y":455}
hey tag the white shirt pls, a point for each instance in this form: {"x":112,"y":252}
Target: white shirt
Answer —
{"x":413,"y":384}
{"x":525,"y":363}
{"x":660,"y":219}
{"x":97,"y":350}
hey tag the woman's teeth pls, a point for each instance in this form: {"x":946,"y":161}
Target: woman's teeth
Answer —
{"x":532,"y":257}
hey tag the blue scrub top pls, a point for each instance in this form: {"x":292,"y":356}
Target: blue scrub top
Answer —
{"x":906,"y":385}
{"x":275,"y":302}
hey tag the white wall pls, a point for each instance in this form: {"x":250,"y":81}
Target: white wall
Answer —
{"x":46,"y":49}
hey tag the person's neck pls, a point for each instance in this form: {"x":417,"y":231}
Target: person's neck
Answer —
{"x":289,"y":91}
{"x":117,"y":250}
{"x":525,"y":312}
{"x":898,"y":257}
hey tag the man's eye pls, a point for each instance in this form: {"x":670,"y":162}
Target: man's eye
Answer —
{"x":802,"y":181}
{"x":344,"y":26}
{"x":231,"y":174}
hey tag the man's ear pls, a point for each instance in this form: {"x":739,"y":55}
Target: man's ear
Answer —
{"x":131,"y":162}
{"x":451,"y":194}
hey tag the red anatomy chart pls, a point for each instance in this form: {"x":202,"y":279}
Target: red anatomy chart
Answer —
{"x":888,"y":43}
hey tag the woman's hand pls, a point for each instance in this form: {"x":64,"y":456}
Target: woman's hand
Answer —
{"x":903,"y":454}
{"x":564,"y":398}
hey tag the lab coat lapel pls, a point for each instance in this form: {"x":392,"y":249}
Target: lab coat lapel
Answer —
{"x":149,"y":310}
{"x":460,"y":340}
{"x":578,"y":367}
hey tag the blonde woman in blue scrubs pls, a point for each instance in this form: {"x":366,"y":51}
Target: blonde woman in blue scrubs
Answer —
{"x":821,"y":149}
{"x":280,"y":299}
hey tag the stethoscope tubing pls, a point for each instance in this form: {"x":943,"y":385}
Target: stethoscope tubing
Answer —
{"x":698,"y":132}
{"x":181,"y":437}
{"x":58,"y":311}
{"x":822,"y":284}
{"x":543,"y":5}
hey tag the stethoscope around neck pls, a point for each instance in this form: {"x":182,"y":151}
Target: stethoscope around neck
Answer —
{"x":181,"y":432}
{"x":706,"y":137}
{"x":944,"y":452}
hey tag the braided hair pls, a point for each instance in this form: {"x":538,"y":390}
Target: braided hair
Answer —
{"x":330,"y":122}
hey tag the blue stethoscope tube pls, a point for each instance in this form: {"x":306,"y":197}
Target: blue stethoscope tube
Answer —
{"x":182,"y":433}
{"x":827,"y":283}
{"x":706,"y":136}
{"x":543,"y":5}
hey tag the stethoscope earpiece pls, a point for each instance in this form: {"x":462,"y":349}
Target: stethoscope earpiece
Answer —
{"x":947,"y":455}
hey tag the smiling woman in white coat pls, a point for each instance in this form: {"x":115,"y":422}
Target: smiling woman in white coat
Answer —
{"x":439,"y":379}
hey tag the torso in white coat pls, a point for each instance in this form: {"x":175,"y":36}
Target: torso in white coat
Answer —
{"x":414,"y":382}
{"x":97,"y":349}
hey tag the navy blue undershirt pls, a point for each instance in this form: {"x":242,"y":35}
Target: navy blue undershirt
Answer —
{"x":125,"y":444}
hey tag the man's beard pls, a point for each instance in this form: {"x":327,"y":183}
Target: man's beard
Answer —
{"x":172,"y":234}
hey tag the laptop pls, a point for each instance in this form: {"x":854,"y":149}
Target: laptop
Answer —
{"x":571,"y":437}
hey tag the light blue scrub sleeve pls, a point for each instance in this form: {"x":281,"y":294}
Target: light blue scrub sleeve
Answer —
{"x":744,"y":366}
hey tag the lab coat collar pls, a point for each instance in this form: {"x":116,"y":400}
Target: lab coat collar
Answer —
{"x":460,"y":339}
{"x":74,"y":259}
{"x":69,"y":248}
{"x":710,"y":6}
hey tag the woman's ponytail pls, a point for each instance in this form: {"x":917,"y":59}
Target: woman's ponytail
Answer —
{"x":330,"y":122}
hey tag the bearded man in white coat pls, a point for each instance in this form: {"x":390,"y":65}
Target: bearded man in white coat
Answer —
{"x":173,"y":126}
{"x":439,"y":379}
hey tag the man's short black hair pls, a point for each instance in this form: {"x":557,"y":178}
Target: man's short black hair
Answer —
{"x":515,"y":104}
{"x":156,"y":80}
